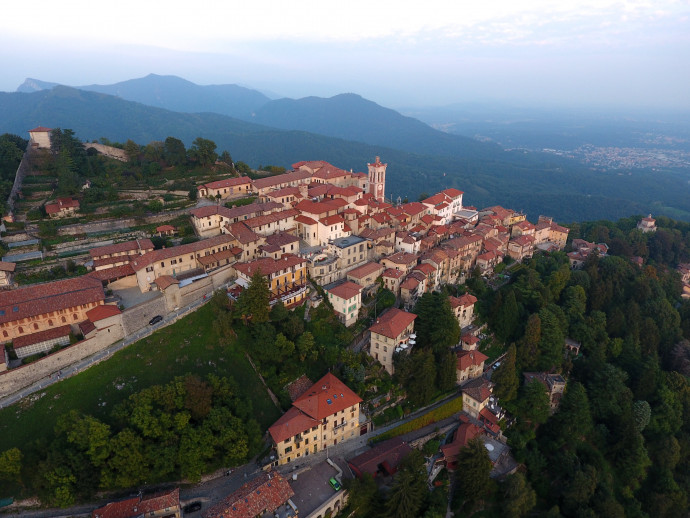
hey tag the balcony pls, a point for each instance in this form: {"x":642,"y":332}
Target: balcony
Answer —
{"x":339,"y":426}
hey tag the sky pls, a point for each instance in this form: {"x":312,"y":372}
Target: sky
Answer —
{"x":398,"y":53}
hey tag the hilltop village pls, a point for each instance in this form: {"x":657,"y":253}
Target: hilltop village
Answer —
{"x":317,"y":241}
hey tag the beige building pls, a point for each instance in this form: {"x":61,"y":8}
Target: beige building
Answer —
{"x":43,"y":307}
{"x":229,"y":187}
{"x":216,"y":252}
{"x":392,"y":332}
{"x":62,"y":208}
{"x":40,"y":137}
{"x":324,"y":415}
{"x":366,"y":274}
{"x":463,"y":308}
{"x":287,"y":277}
{"x":470,"y":365}
{"x":475,"y":396}
{"x":346,"y":299}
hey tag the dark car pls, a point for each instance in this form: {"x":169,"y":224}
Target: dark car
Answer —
{"x":155,"y":320}
{"x":192,"y":508}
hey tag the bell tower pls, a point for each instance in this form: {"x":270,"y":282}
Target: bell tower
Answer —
{"x":377,"y":180}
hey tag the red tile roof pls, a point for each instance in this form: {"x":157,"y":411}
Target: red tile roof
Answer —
{"x":267,"y":492}
{"x":326,"y":397}
{"x":137,"y":245}
{"x":40,"y":129}
{"x":346,"y":290}
{"x":39,"y":299}
{"x":291,"y":423}
{"x":467,"y":359}
{"x":111,"y":274}
{"x":305,"y":220}
{"x":175,"y":251}
{"x":103,"y":311}
{"x":292,"y":176}
{"x":366,"y":269}
{"x":392,"y":323}
{"x":165,"y":228}
{"x":136,"y":507}
{"x":41,"y":336}
{"x":392,"y":273}
{"x":385,"y":456}
{"x":60,"y":204}
{"x":462,"y":301}
{"x":469,"y":339}
{"x":332,"y":220}
{"x":269,"y":266}
{"x":227,"y":182}
{"x":298,"y":387}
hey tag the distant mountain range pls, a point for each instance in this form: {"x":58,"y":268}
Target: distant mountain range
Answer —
{"x":346,"y":116}
{"x":420,"y":158}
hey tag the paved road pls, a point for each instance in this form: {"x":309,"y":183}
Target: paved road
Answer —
{"x":217,"y":486}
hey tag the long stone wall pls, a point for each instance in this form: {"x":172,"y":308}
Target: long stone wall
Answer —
{"x":21,"y":377}
{"x":22,"y":170}
{"x":138,"y":317}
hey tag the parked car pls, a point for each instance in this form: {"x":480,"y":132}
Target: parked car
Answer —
{"x":192,"y":507}
{"x":334,"y":484}
{"x":155,"y":320}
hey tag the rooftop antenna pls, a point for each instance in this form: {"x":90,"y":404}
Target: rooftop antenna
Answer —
{"x":399,"y":201}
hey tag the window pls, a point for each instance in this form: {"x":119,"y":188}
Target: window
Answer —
{"x":35,"y":326}
{"x":288,"y":449}
{"x":149,"y":268}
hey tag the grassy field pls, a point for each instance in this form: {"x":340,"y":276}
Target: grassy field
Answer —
{"x":188,"y":346}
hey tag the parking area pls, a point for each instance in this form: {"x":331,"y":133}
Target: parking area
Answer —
{"x":132,"y":296}
{"x":312,"y":488}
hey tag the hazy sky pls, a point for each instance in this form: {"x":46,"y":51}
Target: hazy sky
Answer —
{"x":397,"y":53}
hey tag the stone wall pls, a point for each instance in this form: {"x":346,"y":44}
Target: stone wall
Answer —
{"x":16,"y":379}
{"x":137,"y":317}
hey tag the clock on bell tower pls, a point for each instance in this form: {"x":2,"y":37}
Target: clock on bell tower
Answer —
{"x":377,"y":180}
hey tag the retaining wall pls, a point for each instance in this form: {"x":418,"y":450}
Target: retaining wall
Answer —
{"x":16,"y":379}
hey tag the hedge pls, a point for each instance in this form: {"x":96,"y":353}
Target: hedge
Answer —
{"x":446,"y":410}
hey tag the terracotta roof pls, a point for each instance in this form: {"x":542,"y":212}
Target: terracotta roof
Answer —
{"x":165,"y":281}
{"x":332,"y":220}
{"x":165,"y":228}
{"x":366,"y":269}
{"x":291,"y":423}
{"x":41,"y":336}
{"x":136,"y":507}
{"x":453,"y":193}
{"x":292,"y":176}
{"x":469,"y":339}
{"x":102,"y":311}
{"x":410,"y":283}
{"x":242,"y":233}
{"x":392,"y":273}
{"x":227,"y":182}
{"x":305,"y":220}
{"x":207,"y":260}
{"x":346,"y":290}
{"x":269,"y":266}
{"x":402,"y":258}
{"x":281,"y":239}
{"x":40,"y":129}
{"x":478,"y":389}
{"x":111,"y":274}
{"x":7,"y":266}
{"x":523,"y":240}
{"x":239,"y":213}
{"x":60,"y":204}
{"x":86,"y":327}
{"x":467,"y":359}
{"x":265,"y":493}
{"x":266,"y":219}
{"x":175,"y":251}
{"x":425,"y":268}
{"x":462,"y":301}
{"x":326,"y":397}
{"x":385,"y":456}
{"x":136,"y":245}
{"x":298,"y":387}
{"x":392,"y":323}
{"x":39,"y":299}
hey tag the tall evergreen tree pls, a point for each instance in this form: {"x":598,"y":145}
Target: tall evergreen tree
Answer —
{"x":254,"y":301}
{"x":506,"y":376}
{"x":409,"y":488}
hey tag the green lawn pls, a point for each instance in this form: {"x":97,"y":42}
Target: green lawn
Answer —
{"x":188,"y":346}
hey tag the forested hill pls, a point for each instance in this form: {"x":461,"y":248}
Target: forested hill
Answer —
{"x":534,"y":183}
{"x":619,"y":444}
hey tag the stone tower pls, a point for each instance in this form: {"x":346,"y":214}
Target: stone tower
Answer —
{"x":377,"y":180}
